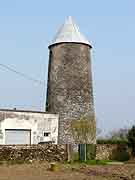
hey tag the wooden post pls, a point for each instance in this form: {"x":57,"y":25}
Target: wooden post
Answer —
{"x":69,"y":152}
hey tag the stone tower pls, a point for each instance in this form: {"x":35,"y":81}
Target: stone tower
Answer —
{"x":69,"y":92}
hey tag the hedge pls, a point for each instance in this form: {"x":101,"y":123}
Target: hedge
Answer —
{"x":110,"y":141}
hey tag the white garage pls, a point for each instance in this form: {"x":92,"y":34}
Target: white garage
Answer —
{"x":17,"y":136}
{"x":27,"y":127}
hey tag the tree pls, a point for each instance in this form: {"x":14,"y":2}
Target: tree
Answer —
{"x":84,"y":130}
{"x":120,"y":134}
{"x":131,"y":139}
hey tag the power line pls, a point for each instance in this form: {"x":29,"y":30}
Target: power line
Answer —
{"x":22,"y":74}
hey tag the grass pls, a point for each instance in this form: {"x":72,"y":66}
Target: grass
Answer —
{"x":91,"y":162}
{"x":76,"y":160}
{"x":98,"y":162}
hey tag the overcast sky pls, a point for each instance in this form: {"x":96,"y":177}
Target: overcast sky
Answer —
{"x":27,"y":27}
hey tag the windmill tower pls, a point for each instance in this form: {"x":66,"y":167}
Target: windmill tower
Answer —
{"x":69,"y":91}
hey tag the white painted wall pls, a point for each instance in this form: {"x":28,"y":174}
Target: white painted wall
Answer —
{"x":38,"y":123}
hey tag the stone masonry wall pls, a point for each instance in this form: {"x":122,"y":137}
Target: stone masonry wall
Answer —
{"x":36,"y":152}
{"x":108,"y":151}
{"x":70,"y":92}
{"x":51,"y":152}
{"x":104,"y":151}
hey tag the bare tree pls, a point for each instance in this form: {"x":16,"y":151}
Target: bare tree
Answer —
{"x":84,"y":130}
{"x":120,"y":134}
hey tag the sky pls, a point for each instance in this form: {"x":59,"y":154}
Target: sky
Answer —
{"x":28,"y":26}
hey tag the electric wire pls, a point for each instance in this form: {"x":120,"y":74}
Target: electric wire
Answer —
{"x":22,"y":74}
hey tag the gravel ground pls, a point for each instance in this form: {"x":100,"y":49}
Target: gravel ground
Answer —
{"x":40,"y":171}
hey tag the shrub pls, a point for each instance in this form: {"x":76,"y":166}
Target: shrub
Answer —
{"x":120,"y":154}
{"x":131,"y":139}
{"x":91,"y":151}
{"x":112,"y":141}
{"x":83,"y":129}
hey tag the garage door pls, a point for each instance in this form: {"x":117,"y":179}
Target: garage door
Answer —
{"x":17,"y":136}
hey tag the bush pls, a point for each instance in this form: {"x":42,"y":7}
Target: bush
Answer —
{"x":131,"y":139}
{"x":112,"y":141}
{"x":83,"y":129}
{"x":91,"y":151}
{"x":120,"y":154}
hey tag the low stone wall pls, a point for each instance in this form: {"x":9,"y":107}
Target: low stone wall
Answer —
{"x":36,"y":152}
{"x":104,"y":151}
{"x":51,"y":152}
{"x":109,"y":151}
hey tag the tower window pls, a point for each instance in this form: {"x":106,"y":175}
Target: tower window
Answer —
{"x":46,"y":134}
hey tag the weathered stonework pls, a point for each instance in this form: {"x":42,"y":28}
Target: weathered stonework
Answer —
{"x":109,"y":151}
{"x":104,"y":151}
{"x":36,"y":152}
{"x":70,"y":91}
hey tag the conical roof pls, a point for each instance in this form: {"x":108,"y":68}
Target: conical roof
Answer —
{"x":69,"y":32}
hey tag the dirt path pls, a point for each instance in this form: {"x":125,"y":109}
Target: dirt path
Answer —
{"x":39,"y":171}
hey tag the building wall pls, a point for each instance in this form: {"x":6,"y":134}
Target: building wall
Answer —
{"x":37,"y":122}
{"x":70,"y":91}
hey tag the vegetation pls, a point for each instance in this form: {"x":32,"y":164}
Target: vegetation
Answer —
{"x":111,"y":141}
{"x":98,"y":162}
{"x":84,"y":130}
{"x":131,"y":139}
{"x":120,"y":134}
{"x":91,"y":162}
{"x":121,"y":137}
{"x":120,"y":153}
{"x":90,"y":151}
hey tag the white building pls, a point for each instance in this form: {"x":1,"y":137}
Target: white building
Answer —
{"x":27,"y":127}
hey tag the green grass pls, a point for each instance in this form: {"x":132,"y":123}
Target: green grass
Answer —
{"x":97,"y":162}
{"x":91,"y":162}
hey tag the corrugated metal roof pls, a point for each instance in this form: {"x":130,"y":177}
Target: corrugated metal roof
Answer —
{"x":69,"y":32}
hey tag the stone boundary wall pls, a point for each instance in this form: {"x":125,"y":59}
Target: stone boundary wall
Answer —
{"x":108,"y":151}
{"x":104,"y":151}
{"x":52,"y":152}
{"x":35,"y":152}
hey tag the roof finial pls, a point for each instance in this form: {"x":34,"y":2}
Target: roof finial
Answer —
{"x":69,"y":18}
